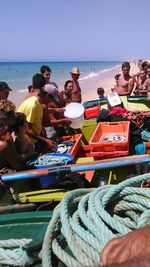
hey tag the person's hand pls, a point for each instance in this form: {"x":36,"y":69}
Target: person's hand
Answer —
{"x":67,"y":121}
{"x":60,"y":110}
{"x":49,"y":143}
{"x":7,"y":137}
{"x":132,"y":245}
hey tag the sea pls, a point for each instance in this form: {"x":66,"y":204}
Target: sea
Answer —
{"x":18,"y":75}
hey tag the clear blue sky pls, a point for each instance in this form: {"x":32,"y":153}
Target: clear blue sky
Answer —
{"x":74,"y":29}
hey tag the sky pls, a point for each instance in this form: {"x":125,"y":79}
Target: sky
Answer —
{"x":73,"y":30}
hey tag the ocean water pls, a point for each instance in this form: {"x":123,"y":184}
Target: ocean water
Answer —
{"x":18,"y":75}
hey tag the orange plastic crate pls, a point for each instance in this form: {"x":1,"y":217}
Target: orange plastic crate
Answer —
{"x":76,"y":138}
{"x":92,"y":112}
{"x":104,"y":129}
{"x":97,"y":154}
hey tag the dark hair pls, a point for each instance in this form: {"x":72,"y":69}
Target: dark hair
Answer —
{"x":117,"y":76}
{"x":66,"y":83}
{"x":45,"y":68}
{"x":144,"y":64}
{"x":38,"y":81}
{"x":100,"y":90}
{"x":20,"y":120}
{"x":3,"y":119}
{"x":125,"y":65}
{"x":148,"y":66}
{"x":42,"y":93}
{"x":30,"y":88}
{"x":66,"y":93}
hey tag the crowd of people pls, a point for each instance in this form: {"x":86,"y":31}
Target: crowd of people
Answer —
{"x":40,"y":118}
{"x":38,"y":121}
{"x":127,"y":84}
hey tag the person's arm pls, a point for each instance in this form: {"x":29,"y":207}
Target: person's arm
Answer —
{"x":58,"y":122}
{"x":133,"y":245}
{"x":8,"y":155}
{"x":147,"y":86}
{"x":58,"y":110}
{"x":131,"y":85}
{"x":48,"y":142}
{"x":137,"y":262}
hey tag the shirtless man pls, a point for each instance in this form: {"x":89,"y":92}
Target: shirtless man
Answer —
{"x":125,"y":81}
{"x":76,"y":91}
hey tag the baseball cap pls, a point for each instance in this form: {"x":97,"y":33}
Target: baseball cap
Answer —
{"x":50,"y":89}
{"x":4,"y":87}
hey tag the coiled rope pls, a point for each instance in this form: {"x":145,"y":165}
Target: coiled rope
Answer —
{"x":12,"y":254}
{"x":85,"y":221}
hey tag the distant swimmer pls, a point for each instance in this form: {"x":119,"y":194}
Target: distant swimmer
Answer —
{"x":125,"y":81}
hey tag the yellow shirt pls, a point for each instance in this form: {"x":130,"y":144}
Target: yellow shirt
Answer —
{"x":33,"y":111}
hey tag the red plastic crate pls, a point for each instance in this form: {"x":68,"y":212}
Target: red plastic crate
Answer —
{"x":76,"y":138}
{"x":104,"y":129}
{"x":92,"y":112}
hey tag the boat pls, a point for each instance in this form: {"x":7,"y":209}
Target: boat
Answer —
{"x":131,"y":103}
{"x":25,"y":232}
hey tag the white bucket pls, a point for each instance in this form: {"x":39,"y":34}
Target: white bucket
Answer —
{"x":75,"y":112}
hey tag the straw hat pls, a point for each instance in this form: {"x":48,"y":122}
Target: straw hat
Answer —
{"x":75,"y":70}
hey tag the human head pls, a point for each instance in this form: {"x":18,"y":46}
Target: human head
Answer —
{"x":4,"y":90}
{"x":68,"y":86}
{"x":117,"y":76}
{"x":66,"y":96}
{"x":142,"y":74}
{"x":75,"y":73}
{"x":100,"y":92}
{"x":30,"y":88}
{"x":38,"y":81}
{"x":20,"y":121}
{"x":8,"y":108}
{"x":144,"y":66}
{"x":50,"y":89}
{"x":126,"y":68}
{"x":46,"y":72}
